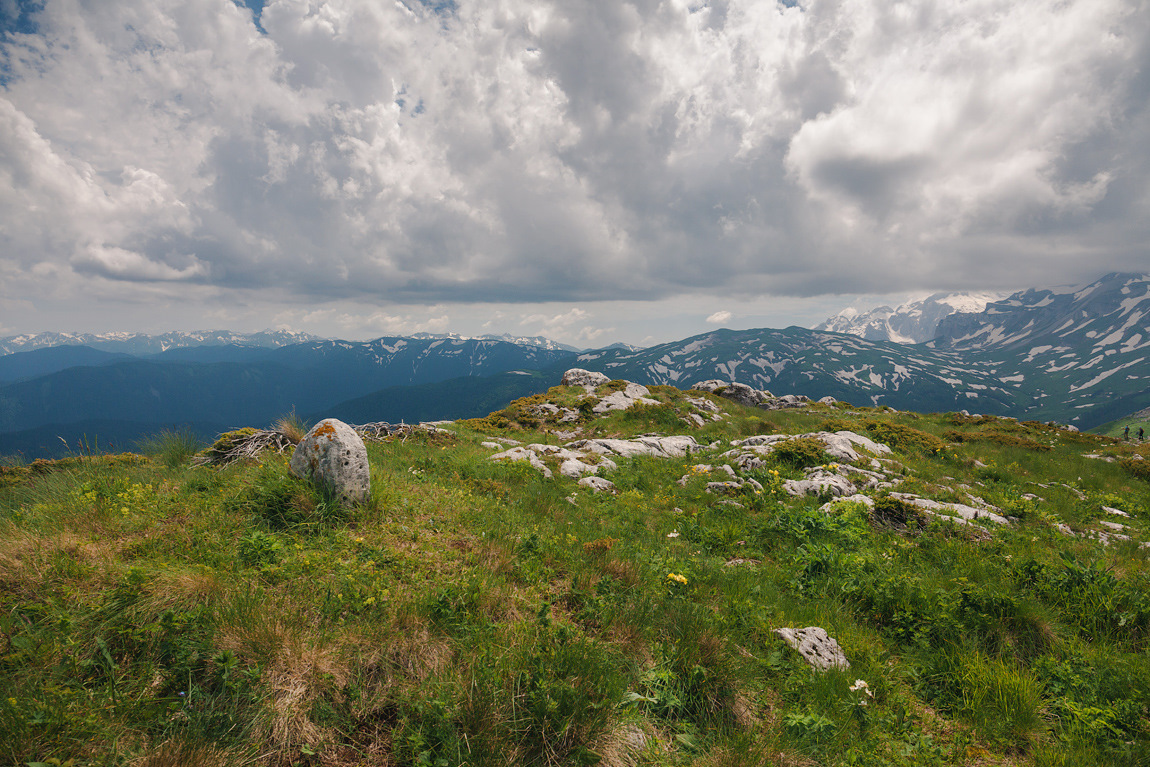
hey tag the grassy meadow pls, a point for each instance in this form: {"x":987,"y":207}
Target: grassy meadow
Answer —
{"x":155,"y":613}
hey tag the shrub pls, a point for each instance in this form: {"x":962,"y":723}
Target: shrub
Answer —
{"x":800,"y":452}
{"x":1136,"y":469}
{"x":997,"y":438}
{"x":895,"y":512}
{"x":835,"y":424}
{"x":904,"y":438}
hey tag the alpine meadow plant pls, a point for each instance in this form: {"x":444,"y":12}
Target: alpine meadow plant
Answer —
{"x":172,"y":447}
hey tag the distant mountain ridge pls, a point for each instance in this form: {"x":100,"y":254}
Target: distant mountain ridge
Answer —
{"x":1074,"y":355}
{"x":143,"y":343}
{"x":911,"y":323}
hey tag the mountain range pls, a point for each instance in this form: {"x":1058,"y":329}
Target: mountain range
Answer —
{"x":1075,"y":355}
{"x":911,"y":323}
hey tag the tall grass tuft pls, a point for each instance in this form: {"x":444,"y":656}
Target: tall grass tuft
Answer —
{"x":172,"y":447}
{"x":291,"y":426}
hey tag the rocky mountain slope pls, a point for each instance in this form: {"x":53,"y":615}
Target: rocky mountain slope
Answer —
{"x":605,"y":574}
{"x":911,"y":323}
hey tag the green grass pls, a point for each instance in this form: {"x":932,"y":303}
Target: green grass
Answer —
{"x":473,"y":612}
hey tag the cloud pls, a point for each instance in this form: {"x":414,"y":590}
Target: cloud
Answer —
{"x":515,"y":151}
{"x":718,"y":318}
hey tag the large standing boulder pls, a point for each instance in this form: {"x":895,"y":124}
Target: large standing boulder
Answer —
{"x":333,"y":455}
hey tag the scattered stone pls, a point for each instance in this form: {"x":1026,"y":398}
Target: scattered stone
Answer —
{"x":598,"y":484}
{"x":333,"y":455}
{"x":585,"y":378}
{"x":813,"y":643}
{"x":696,"y":420}
{"x":1115,"y":512}
{"x":523,"y":454}
{"x":703,"y":404}
{"x":1112,"y":525}
{"x":828,"y":400}
{"x":737,"y":561}
{"x":491,"y":445}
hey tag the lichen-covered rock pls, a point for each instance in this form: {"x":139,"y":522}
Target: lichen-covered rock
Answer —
{"x":585,"y":378}
{"x":333,"y":455}
{"x":814,"y":644}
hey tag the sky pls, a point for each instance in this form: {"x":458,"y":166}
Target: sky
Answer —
{"x":590,"y":170}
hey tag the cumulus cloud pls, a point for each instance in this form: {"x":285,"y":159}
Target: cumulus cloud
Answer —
{"x":546,"y":151}
{"x":718,"y":318}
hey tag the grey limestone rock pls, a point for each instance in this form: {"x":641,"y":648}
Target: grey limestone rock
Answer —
{"x":585,"y":378}
{"x":598,"y":484}
{"x":633,"y":394}
{"x":814,"y":644}
{"x":737,"y":392}
{"x":333,"y":455}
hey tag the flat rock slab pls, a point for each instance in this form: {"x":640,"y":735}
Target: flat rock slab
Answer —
{"x":814,"y":644}
{"x":660,"y":447}
{"x":333,"y":455}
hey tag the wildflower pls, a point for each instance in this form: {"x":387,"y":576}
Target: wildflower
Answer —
{"x":674,"y":534}
{"x":359,"y":539}
{"x":12,"y":701}
{"x":860,"y":685}
{"x":677,"y":578}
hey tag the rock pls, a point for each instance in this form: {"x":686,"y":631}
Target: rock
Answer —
{"x":333,"y":455}
{"x":724,"y":488}
{"x":966,"y":514}
{"x":633,"y":394}
{"x":828,"y":400}
{"x":661,"y":447}
{"x":703,"y":404}
{"x":598,"y":484}
{"x":736,"y":392}
{"x":696,"y":420}
{"x":788,"y":401}
{"x":830,"y":506}
{"x":1115,"y":512}
{"x":814,"y":644}
{"x":585,"y":378}
{"x":1070,"y":428}
{"x":523,"y":454}
{"x":818,"y":482}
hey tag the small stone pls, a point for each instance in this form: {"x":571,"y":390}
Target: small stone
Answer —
{"x":598,"y":484}
{"x":814,"y":644}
